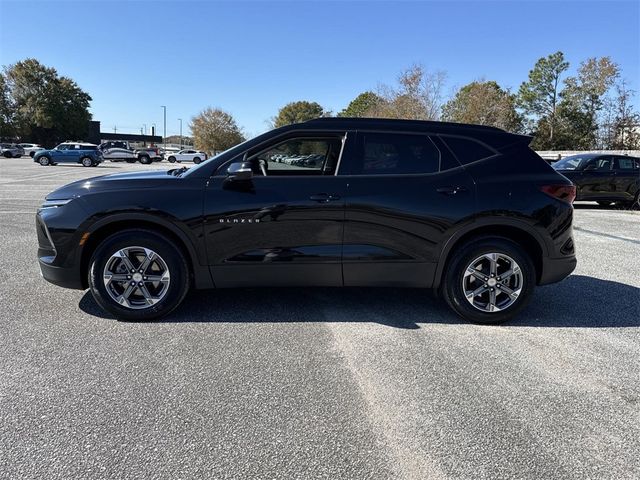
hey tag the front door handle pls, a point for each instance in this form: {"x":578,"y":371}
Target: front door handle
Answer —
{"x":324,"y":197}
{"x":451,"y":190}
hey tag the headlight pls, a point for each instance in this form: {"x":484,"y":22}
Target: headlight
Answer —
{"x":55,"y":203}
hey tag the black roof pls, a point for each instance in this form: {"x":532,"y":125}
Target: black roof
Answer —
{"x":397,"y":124}
{"x":493,"y":136}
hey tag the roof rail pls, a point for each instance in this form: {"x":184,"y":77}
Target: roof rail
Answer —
{"x":437,"y":123}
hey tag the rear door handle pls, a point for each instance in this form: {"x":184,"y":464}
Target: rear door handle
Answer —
{"x":451,"y":190}
{"x":324,"y":197}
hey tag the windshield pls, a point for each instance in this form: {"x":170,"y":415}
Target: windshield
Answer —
{"x":569,"y":163}
{"x":222,"y":157}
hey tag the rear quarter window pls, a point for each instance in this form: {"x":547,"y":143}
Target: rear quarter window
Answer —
{"x":467,"y":150}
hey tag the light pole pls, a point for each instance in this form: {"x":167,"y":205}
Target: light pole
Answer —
{"x":144,"y":125}
{"x":180,"y":133}
{"x":164,"y":131}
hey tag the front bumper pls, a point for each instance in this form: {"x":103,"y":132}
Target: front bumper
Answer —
{"x":58,"y":261}
{"x":556,"y":269}
{"x":60,"y":276}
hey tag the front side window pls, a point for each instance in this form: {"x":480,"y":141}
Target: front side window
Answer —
{"x":601,"y":164}
{"x":62,"y":146}
{"x":394,"y":153}
{"x":299,"y":156}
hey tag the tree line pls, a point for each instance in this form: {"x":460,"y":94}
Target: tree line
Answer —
{"x":592,"y":109}
{"x":37,"y":103}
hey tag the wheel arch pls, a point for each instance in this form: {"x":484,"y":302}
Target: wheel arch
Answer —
{"x":113,"y":224}
{"x":521,"y":235}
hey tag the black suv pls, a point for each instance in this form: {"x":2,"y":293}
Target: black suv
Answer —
{"x":603,"y":178}
{"x":469,"y":211}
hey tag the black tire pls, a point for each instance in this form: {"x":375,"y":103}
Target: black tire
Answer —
{"x":635,"y":203}
{"x":175,"y":261}
{"x":604,"y":204}
{"x":86,"y":161}
{"x":452,"y":285}
{"x":144,"y":159}
{"x":172,"y":159}
{"x":7,"y":154}
{"x":196,"y":160}
{"x":44,"y":161}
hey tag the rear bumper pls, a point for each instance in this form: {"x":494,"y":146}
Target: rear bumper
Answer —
{"x":556,"y":269}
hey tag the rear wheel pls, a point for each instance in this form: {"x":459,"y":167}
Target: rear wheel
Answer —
{"x":44,"y":161}
{"x":196,"y":160}
{"x":145,"y":160}
{"x":138,"y":275}
{"x":86,"y":162}
{"x":489,"y":280}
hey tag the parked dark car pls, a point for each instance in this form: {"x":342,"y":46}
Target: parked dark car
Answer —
{"x":469,"y":211}
{"x":603,"y":178}
{"x":86,"y":154}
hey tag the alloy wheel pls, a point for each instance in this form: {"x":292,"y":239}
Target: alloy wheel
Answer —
{"x":492,"y":282}
{"x":136,"y":277}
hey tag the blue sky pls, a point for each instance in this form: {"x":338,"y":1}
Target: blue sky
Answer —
{"x":250,"y":58}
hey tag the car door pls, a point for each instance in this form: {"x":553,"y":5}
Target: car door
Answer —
{"x":405,"y":191}
{"x":627,"y":177}
{"x":62,"y":153}
{"x":596,"y":179}
{"x":284,"y":225}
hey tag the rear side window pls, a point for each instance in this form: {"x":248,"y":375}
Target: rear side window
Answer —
{"x":627,"y":163}
{"x":392,"y":154}
{"x":467,"y":150}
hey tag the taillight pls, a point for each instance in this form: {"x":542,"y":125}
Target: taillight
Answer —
{"x":566,"y":193}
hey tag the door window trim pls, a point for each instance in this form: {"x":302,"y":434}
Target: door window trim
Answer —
{"x":399,"y":132}
{"x":280,"y":139}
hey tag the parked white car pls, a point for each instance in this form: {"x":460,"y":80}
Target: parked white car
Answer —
{"x":31,"y":148}
{"x":187,"y":155}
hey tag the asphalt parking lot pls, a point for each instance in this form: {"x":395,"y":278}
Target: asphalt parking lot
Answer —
{"x":317,"y":383}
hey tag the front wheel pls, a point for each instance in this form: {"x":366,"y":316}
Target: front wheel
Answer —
{"x":172,"y":159}
{"x":489,"y":280}
{"x":44,"y":161}
{"x":138,"y":275}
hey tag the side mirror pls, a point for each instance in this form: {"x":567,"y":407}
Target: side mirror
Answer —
{"x":239,"y":171}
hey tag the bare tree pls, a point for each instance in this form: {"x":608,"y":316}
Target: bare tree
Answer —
{"x":624,"y":127}
{"x":418,"y":96}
